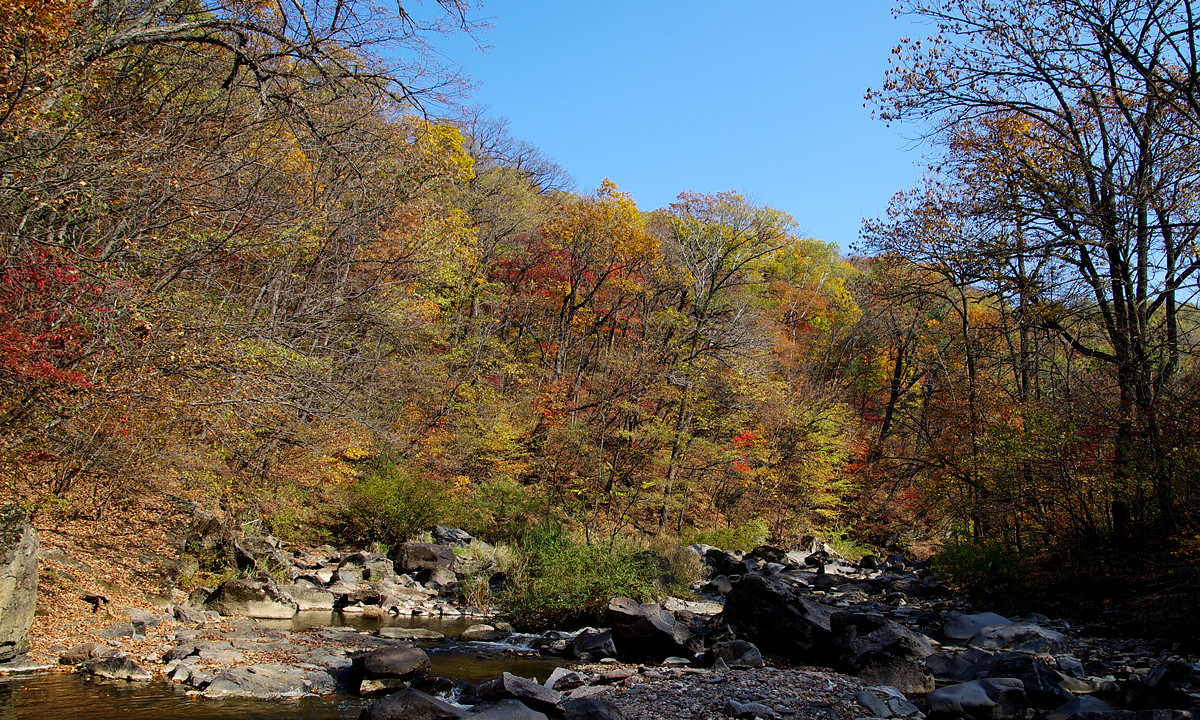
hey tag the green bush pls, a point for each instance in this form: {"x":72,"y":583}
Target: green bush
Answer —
{"x":982,"y":568}
{"x":743,"y":537}
{"x":389,"y":504}
{"x":500,"y":509}
{"x":564,"y":583}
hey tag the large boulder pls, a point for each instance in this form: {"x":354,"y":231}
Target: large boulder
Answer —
{"x":515,"y":687}
{"x":269,"y":682}
{"x":390,"y":668}
{"x":723,"y":563}
{"x":308,"y":597}
{"x":591,"y":645}
{"x":1040,"y":680}
{"x":645,"y":631}
{"x":411,"y":705}
{"x":1021,"y":637}
{"x":773,"y":613}
{"x":963,"y":626}
{"x":882,"y":652}
{"x":413,"y":557}
{"x":18,"y":580}
{"x":252,"y":598}
{"x":961,"y":665}
{"x":261,"y":555}
{"x":987,"y":699}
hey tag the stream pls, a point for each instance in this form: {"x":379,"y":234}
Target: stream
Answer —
{"x":55,"y":696}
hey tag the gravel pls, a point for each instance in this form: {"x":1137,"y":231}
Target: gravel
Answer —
{"x":687,"y":693}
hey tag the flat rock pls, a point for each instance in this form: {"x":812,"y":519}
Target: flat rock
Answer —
{"x":269,"y":682}
{"x":114,"y":668}
{"x":1022,"y":637}
{"x":87,"y":651}
{"x":403,"y":633}
{"x":251,"y":598}
{"x":961,"y":626}
{"x":308,"y":598}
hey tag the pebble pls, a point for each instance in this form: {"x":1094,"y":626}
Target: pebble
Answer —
{"x":801,"y":693}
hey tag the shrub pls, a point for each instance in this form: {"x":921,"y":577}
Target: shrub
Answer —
{"x":476,"y":565}
{"x":500,"y":509}
{"x":565,"y":583}
{"x":743,"y":537}
{"x":982,"y":568}
{"x":845,"y":545}
{"x":390,"y":504}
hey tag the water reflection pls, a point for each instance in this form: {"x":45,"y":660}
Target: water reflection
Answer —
{"x":57,"y":696}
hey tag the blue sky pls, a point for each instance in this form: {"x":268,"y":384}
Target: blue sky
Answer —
{"x":667,"y":96}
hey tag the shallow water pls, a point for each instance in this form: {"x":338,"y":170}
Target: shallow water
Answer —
{"x":70,"y":696}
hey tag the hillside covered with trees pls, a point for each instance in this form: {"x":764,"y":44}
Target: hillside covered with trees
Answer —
{"x":245,"y":262}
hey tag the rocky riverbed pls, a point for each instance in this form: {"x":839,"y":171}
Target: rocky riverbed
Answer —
{"x":769,"y":634}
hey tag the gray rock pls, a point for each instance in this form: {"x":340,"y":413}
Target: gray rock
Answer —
{"x":508,"y":710}
{"x":1021,"y":637}
{"x":561,"y":679}
{"x":18,"y":580}
{"x":402,"y":633}
{"x":251,"y":598}
{"x":1040,"y":680}
{"x":590,"y":708}
{"x":718,"y":586}
{"x":1070,"y":666}
{"x":590,"y":646}
{"x":269,"y":682}
{"x":411,"y":705}
{"x":987,"y":699}
{"x":960,"y":665}
{"x":774,"y":614}
{"x":645,"y":631}
{"x":115,"y":668}
{"x":883,"y":652}
{"x":261,"y":555}
{"x":451,"y":536}
{"x":87,"y":651}
{"x":145,"y":618}
{"x":482,"y":632}
{"x":886,"y":702}
{"x":308,"y":598}
{"x":736,"y":654}
{"x":514,"y":687}
{"x":124,"y":629}
{"x":370,"y":567}
{"x":416,"y":557}
{"x":1078,"y":706}
{"x":180,"y":651}
{"x":403,"y":663}
{"x":748,"y":711}
{"x":188,"y":614}
{"x":960,"y":626}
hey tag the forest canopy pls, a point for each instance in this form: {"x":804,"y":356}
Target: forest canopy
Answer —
{"x":245,"y":262}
